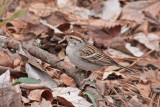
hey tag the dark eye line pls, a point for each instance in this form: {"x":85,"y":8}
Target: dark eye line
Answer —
{"x":75,"y":39}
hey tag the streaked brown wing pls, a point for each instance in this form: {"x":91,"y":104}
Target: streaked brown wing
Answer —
{"x":91,"y":54}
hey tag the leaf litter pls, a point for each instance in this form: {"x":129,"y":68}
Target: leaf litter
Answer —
{"x":127,"y":31}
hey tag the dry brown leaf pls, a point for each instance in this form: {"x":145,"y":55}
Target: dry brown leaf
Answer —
{"x":39,"y":93}
{"x":25,"y":100}
{"x":16,"y":62}
{"x":119,"y":44}
{"x":63,"y":26}
{"x":144,"y":89}
{"x":17,"y":36}
{"x":40,"y":9}
{"x":117,"y":53}
{"x":71,"y":95}
{"x":111,"y":10}
{"x":102,"y":37}
{"x":112,"y":75}
{"x":40,"y":75}
{"x":134,"y":10}
{"x":151,"y":19}
{"x":109,"y":99}
{"x":150,"y":60}
{"x":143,"y":78}
{"x":5,"y":59}
{"x":155,"y":88}
{"x":34,"y":25}
{"x":61,"y":54}
{"x":151,"y":40}
{"x":134,"y":50}
{"x":43,"y":103}
{"x":134,"y":102}
{"x":153,"y":76}
{"x":65,"y":3}
{"x":8,"y":97}
{"x":31,"y":18}
{"x":36,"y":29}
{"x":150,"y":75}
{"x":101,"y":86}
{"x":99,"y":23}
{"x":69,"y":62}
{"x":56,"y":18}
{"x":67,"y":80}
{"x":17,"y":26}
{"x":144,"y":27}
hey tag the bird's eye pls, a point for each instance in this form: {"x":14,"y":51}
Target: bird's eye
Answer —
{"x":71,"y":38}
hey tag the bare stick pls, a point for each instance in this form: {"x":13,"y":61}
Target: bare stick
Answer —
{"x":45,"y":56}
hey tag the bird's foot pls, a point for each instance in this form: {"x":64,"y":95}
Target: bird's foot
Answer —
{"x":92,"y":77}
{"x":77,"y":69}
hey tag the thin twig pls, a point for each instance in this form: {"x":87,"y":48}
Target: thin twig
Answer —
{"x":119,"y":96}
{"x":50,"y":26}
{"x":152,"y":100}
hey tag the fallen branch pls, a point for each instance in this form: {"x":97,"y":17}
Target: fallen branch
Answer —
{"x":45,"y":56}
{"x":14,"y":73}
{"x":51,"y":59}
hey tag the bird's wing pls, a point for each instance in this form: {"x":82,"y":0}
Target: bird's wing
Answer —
{"x":92,"y":55}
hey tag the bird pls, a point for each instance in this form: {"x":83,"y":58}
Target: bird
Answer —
{"x":86,"y":56}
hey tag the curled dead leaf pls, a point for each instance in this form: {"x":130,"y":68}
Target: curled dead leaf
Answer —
{"x":39,"y":93}
{"x":112,"y":75}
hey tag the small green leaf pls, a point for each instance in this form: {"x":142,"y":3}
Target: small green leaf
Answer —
{"x":26,"y":80}
{"x":91,"y":96}
{"x":16,"y":15}
{"x":3,"y":7}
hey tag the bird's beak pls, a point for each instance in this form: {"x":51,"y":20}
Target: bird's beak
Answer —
{"x":65,"y":38}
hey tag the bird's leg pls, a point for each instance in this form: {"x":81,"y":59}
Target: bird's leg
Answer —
{"x":92,"y":77}
{"x":77,"y":69}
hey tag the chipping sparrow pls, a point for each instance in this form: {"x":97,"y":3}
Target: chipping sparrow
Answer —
{"x":87,"y":57}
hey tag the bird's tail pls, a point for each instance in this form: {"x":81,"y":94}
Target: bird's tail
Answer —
{"x":126,"y":68}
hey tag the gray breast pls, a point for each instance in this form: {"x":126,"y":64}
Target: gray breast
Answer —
{"x":74,"y":57}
